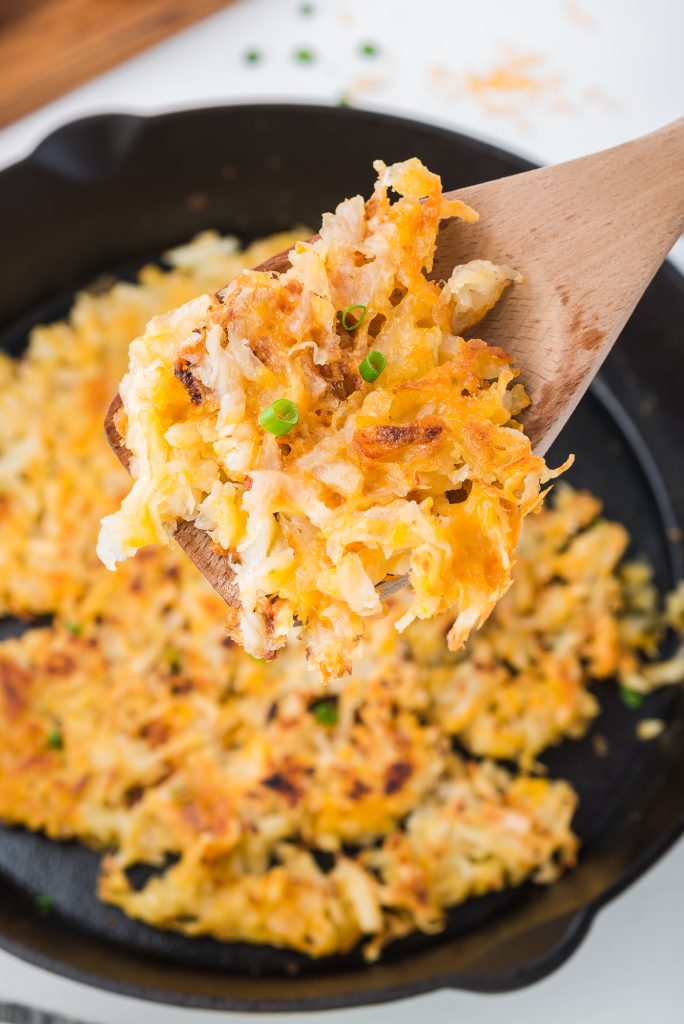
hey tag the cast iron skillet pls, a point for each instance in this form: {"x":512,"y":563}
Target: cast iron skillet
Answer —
{"x":106,"y":193}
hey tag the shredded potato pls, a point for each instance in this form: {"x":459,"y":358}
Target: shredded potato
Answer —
{"x":131,"y":722}
{"x":422,"y":471}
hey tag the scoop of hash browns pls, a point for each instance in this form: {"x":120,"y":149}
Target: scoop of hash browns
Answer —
{"x":299,"y":815}
{"x":423,"y":470}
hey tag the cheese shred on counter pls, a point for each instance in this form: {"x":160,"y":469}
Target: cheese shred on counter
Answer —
{"x":419,"y":467}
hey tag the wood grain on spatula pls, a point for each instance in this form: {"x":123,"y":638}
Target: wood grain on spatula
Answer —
{"x":588,"y":236}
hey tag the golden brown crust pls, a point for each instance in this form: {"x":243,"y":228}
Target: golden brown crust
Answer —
{"x":386,"y":440}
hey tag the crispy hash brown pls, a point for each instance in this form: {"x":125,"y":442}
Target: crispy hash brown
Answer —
{"x":277,"y":810}
{"x":422,"y":470}
{"x":57,"y":478}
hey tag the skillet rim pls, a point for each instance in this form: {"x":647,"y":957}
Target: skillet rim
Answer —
{"x":571,"y":928}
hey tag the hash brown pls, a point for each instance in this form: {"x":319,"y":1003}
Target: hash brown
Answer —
{"x":133,"y":724}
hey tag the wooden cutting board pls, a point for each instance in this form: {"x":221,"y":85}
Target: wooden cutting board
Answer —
{"x":50,"y":46}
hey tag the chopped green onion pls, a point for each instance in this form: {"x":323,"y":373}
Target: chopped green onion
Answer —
{"x":369,"y":50}
{"x":304,"y":56}
{"x":372,"y":366}
{"x":631,"y":698}
{"x":43,"y":902}
{"x":306,"y":9}
{"x":344,"y":101}
{"x":280,"y":417}
{"x":252,"y":57}
{"x":54,"y":740}
{"x":173,"y":660}
{"x":357,"y":321}
{"x":75,"y":628}
{"x":325,"y":712}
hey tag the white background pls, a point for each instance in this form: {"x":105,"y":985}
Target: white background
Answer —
{"x":586,"y":75}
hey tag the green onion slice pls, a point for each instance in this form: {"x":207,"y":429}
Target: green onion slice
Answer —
{"x":325,"y":712}
{"x":631,"y":698}
{"x":280,"y":417}
{"x":351,"y":325}
{"x":372,"y":366}
{"x":54,"y":740}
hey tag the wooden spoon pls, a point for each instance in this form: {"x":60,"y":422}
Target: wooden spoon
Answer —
{"x":588,"y":235}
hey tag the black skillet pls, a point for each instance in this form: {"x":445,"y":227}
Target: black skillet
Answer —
{"x":105,"y":193}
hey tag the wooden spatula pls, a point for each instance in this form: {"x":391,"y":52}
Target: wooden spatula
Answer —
{"x":588,"y":236}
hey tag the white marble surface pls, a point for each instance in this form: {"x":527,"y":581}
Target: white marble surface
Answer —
{"x":589,"y":74}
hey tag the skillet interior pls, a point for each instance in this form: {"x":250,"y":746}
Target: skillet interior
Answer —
{"x":84,"y":179}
